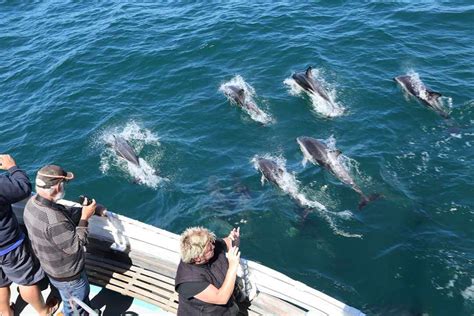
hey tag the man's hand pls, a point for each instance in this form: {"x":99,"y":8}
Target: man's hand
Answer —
{"x":88,"y":210}
{"x":6,"y":162}
{"x":100,"y":210}
{"x":233,"y":256}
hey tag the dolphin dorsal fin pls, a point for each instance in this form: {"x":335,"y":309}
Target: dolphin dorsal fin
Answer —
{"x":434,"y":95}
{"x":241,"y":93}
{"x":336,"y":152}
{"x":309,"y":72}
{"x":110,"y":143}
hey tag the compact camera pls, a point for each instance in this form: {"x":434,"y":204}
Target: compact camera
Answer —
{"x":82,"y":198}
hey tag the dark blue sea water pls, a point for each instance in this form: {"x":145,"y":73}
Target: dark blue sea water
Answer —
{"x":73,"y":74}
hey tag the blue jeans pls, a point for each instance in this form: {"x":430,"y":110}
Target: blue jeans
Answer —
{"x":78,"y":288}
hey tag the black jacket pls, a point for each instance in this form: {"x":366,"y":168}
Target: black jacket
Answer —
{"x":213,"y":272}
{"x":14,"y":187}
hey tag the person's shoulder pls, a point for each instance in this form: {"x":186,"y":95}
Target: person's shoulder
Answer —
{"x":220,"y":245}
{"x":37,"y":213}
{"x":183,"y":267}
{"x":32,"y":206}
{"x":29,"y":207}
{"x":188,"y":272}
{"x":18,"y":174}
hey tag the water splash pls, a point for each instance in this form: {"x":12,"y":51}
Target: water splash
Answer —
{"x":468,"y":293}
{"x":138,"y":137}
{"x":252,"y":110}
{"x":288,"y":183}
{"x":321,"y":106}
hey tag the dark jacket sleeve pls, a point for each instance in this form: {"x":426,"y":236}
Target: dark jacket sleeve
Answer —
{"x":14,"y":186}
{"x":75,"y":213}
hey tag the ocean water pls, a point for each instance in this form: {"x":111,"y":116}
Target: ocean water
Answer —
{"x":74,"y":74}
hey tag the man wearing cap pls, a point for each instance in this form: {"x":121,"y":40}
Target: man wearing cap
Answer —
{"x":17,"y":264}
{"x":58,"y":235}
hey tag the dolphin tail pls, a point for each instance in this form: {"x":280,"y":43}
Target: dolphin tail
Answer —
{"x":435,"y":95}
{"x":367,"y":199}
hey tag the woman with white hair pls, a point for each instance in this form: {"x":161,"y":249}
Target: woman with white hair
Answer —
{"x":206,"y":275}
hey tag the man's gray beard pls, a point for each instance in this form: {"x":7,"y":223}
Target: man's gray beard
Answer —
{"x":59,"y":195}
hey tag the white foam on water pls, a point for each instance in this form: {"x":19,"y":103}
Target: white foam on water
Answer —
{"x":330,"y":142}
{"x":145,"y":174}
{"x":326,"y":108}
{"x":446,"y":102}
{"x":468,"y":293}
{"x":321,"y":106}
{"x":290,"y":185}
{"x":138,"y":137}
{"x":418,"y":84}
{"x":294,"y":89}
{"x":457,"y":264}
{"x":255,"y":113}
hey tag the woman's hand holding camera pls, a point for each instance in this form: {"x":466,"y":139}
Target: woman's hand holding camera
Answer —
{"x":233,"y":256}
{"x":234,"y":236}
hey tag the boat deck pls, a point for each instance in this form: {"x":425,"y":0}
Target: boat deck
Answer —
{"x":108,"y":302}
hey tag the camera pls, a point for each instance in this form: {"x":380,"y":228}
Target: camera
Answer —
{"x":82,"y":198}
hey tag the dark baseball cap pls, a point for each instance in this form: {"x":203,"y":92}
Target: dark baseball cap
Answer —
{"x":51,"y":175}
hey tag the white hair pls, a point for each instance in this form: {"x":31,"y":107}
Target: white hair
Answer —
{"x":44,"y":191}
{"x":51,"y":192}
{"x":193,"y":243}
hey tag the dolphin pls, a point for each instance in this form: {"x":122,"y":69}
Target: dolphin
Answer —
{"x":270,"y":170}
{"x":416,"y":88}
{"x":318,"y":153}
{"x":238,"y":95}
{"x":306,"y":81}
{"x":124,"y":150}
